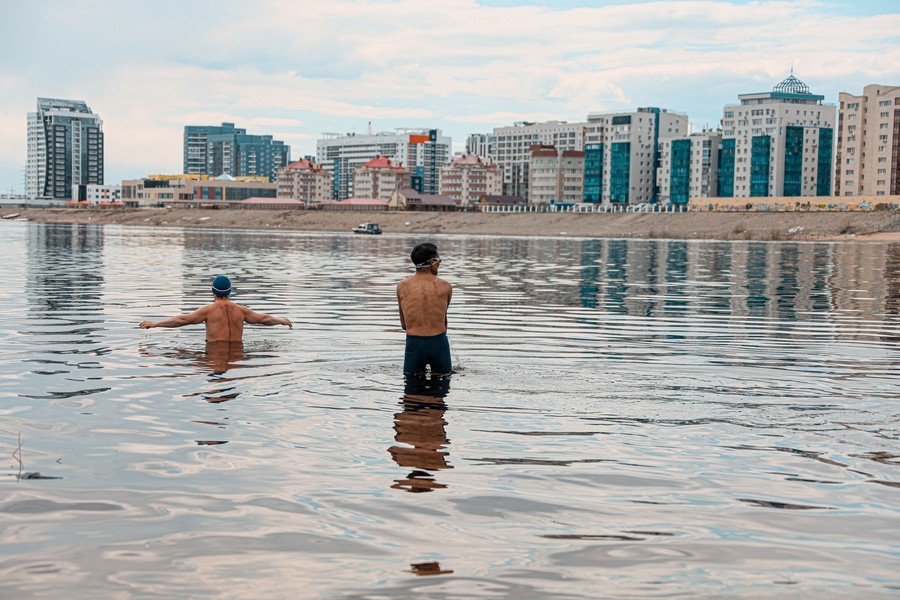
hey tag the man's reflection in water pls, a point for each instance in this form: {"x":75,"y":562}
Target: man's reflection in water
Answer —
{"x":219,"y":358}
{"x":421,"y":426}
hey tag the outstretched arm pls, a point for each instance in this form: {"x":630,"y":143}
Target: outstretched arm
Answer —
{"x":255,"y":318}
{"x":198,"y":316}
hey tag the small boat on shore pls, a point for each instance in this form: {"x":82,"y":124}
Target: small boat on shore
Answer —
{"x":368,"y":229}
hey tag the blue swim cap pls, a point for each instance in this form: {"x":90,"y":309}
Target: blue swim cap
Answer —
{"x":221,"y":286}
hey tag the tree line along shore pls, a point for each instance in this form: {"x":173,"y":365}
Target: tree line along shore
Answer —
{"x":880,"y":226}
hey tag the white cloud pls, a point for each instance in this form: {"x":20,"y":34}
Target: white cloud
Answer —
{"x":280,"y":67}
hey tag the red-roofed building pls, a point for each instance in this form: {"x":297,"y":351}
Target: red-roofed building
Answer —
{"x":468,"y":178}
{"x":304,"y":180}
{"x":379,"y":178}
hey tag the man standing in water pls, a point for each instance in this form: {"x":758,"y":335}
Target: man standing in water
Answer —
{"x":424,"y":299}
{"x":224,"y":319}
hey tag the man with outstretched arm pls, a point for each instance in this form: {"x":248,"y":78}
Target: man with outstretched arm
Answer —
{"x":224,"y":319}
{"x":423,"y":299}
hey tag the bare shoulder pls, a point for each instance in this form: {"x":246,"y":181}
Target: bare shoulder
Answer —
{"x":404,"y":283}
{"x":443,"y":283}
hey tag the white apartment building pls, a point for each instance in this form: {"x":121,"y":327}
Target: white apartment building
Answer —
{"x":65,"y":149}
{"x":379,"y":179}
{"x":628,"y":143}
{"x":468,"y":178}
{"x":777,"y":143}
{"x":304,"y":180}
{"x":479,"y":144}
{"x":510,"y":148}
{"x":688,"y":167}
{"x":555,"y":176}
{"x":424,"y":151}
{"x":868,"y":148}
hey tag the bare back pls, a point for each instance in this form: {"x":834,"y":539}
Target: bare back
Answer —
{"x":224,"y":321}
{"x":423,"y":300}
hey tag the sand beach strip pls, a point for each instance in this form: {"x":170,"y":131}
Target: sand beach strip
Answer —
{"x":871,"y":226}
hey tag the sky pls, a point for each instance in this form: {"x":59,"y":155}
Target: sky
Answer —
{"x":296,"y":68}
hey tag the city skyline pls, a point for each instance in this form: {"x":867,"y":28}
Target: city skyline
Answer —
{"x":297,"y":70}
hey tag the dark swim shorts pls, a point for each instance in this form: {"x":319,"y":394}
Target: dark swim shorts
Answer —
{"x":424,"y":350}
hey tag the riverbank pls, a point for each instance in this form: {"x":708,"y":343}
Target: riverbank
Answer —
{"x":880,"y":226}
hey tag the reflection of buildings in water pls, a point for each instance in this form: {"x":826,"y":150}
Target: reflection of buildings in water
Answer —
{"x":862,"y":279}
{"x":892,"y":280}
{"x":778,"y":281}
{"x":616,"y":276}
{"x":590,"y":272}
{"x":676,"y":276}
{"x":65,"y":267}
{"x":421,"y":428}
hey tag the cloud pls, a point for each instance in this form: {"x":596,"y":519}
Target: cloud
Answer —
{"x":280,"y":67}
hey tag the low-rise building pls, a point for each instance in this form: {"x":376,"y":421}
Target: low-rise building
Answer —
{"x":96,"y":193}
{"x":179,"y":189}
{"x":489,"y":202}
{"x":470,"y":177}
{"x":410,"y":199}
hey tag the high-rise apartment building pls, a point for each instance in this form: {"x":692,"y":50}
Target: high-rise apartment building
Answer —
{"x":777,"y":143}
{"x":196,"y":138}
{"x":304,"y":180}
{"x":380,"y":178}
{"x":228,"y":150}
{"x":468,"y":178}
{"x":555,"y":176}
{"x":623,"y":153}
{"x":868,"y":149}
{"x":65,"y":149}
{"x":480,"y":144}
{"x":423,"y":151}
{"x":510,"y":148}
{"x":688,"y":167}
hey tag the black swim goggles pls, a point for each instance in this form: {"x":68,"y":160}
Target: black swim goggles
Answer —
{"x":428,"y":263}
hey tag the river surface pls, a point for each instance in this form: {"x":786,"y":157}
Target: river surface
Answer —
{"x":629,"y":419}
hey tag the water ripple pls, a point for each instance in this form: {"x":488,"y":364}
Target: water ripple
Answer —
{"x":629,"y":419}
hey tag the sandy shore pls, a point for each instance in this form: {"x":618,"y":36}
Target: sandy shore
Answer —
{"x":882,"y":226}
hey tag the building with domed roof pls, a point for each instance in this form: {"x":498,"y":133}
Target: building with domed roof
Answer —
{"x":777,"y":143}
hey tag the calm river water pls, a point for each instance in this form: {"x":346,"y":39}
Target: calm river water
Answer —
{"x":630,"y":419}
